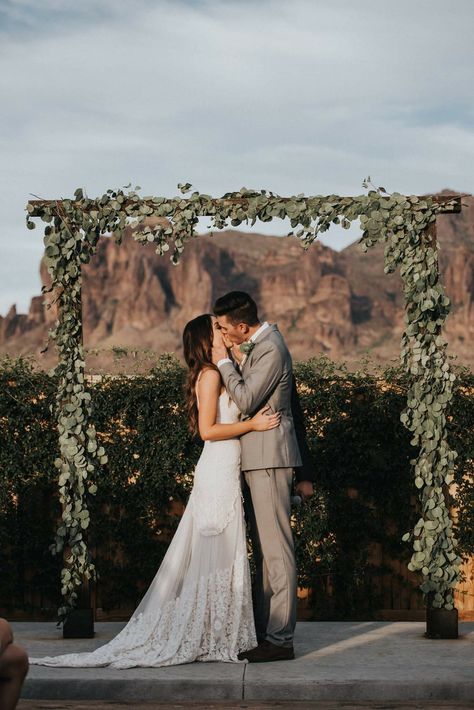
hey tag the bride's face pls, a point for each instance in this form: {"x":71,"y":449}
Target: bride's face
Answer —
{"x":217,"y":338}
{"x":233,"y":334}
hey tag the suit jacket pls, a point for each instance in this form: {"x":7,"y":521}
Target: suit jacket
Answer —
{"x":307,"y":471}
{"x":266,"y":378}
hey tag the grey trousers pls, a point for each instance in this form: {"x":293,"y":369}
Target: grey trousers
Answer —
{"x":267,"y":503}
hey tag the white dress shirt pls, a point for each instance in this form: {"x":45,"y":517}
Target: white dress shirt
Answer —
{"x":252,"y":337}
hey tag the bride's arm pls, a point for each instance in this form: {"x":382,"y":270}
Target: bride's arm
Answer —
{"x":208,"y":388}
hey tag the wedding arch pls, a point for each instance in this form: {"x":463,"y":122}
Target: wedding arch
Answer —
{"x":406,"y":224}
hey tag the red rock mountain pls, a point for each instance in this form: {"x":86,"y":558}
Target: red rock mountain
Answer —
{"x":338,"y":303}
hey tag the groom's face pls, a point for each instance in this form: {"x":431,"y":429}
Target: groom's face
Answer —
{"x":234,"y":333}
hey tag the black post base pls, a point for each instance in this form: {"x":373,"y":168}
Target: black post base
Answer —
{"x":441,"y":623}
{"x":79,"y":624}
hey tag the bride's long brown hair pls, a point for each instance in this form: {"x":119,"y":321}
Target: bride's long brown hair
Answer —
{"x":197,"y":347}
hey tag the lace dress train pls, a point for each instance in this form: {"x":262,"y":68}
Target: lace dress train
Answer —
{"x":198,"y":607}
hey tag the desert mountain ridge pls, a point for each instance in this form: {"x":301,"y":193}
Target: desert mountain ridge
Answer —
{"x":338,"y":303}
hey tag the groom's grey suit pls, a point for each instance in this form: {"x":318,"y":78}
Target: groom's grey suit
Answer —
{"x":268,"y":459}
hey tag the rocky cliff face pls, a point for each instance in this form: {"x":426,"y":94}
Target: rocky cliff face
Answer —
{"x":339,"y":303}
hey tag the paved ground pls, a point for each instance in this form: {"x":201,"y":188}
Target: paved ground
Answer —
{"x":351,"y":664}
{"x":292,"y":705}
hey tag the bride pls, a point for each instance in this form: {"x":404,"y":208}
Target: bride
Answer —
{"x":198,"y":606}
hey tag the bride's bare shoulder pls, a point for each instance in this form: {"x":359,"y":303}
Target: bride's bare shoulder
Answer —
{"x":208,"y":385}
{"x":208,"y":378}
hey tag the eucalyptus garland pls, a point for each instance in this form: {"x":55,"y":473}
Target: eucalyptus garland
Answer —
{"x":402,"y":223}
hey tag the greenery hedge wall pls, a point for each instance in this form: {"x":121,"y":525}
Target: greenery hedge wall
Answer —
{"x":364,"y":494}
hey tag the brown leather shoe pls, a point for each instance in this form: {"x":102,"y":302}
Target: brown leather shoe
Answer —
{"x":268,"y":651}
{"x":242,"y":656}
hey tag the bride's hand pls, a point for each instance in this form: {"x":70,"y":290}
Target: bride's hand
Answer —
{"x":263,"y":422}
{"x":233,"y":348}
{"x":219,"y":350}
{"x":236,"y":353}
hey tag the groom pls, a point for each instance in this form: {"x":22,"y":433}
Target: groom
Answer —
{"x":268,"y":462}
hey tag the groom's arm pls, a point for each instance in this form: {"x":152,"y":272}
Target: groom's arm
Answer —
{"x":260,"y":379}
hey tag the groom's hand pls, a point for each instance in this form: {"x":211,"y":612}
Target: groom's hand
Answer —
{"x":304,"y":489}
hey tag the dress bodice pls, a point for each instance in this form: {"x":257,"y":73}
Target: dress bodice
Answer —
{"x":217,"y":488}
{"x":227,"y":410}
{"x":227,"y":413}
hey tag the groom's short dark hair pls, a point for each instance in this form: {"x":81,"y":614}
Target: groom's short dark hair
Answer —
{"x":238,"y":306}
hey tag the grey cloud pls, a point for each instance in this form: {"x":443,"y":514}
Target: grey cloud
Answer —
{"x":295,"y":97}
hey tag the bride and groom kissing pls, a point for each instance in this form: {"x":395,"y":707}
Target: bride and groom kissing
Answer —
{"x":242,"y":401}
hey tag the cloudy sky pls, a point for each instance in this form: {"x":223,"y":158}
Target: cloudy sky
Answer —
{"x":304,"y":96}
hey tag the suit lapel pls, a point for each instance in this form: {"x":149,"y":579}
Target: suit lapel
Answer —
{"x":264,"y":334}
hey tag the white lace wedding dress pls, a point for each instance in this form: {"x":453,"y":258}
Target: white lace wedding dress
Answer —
{"x":198,"y":606}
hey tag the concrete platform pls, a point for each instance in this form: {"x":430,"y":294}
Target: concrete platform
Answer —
{"x":235,"y":705}
{"x":336,"y":662}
